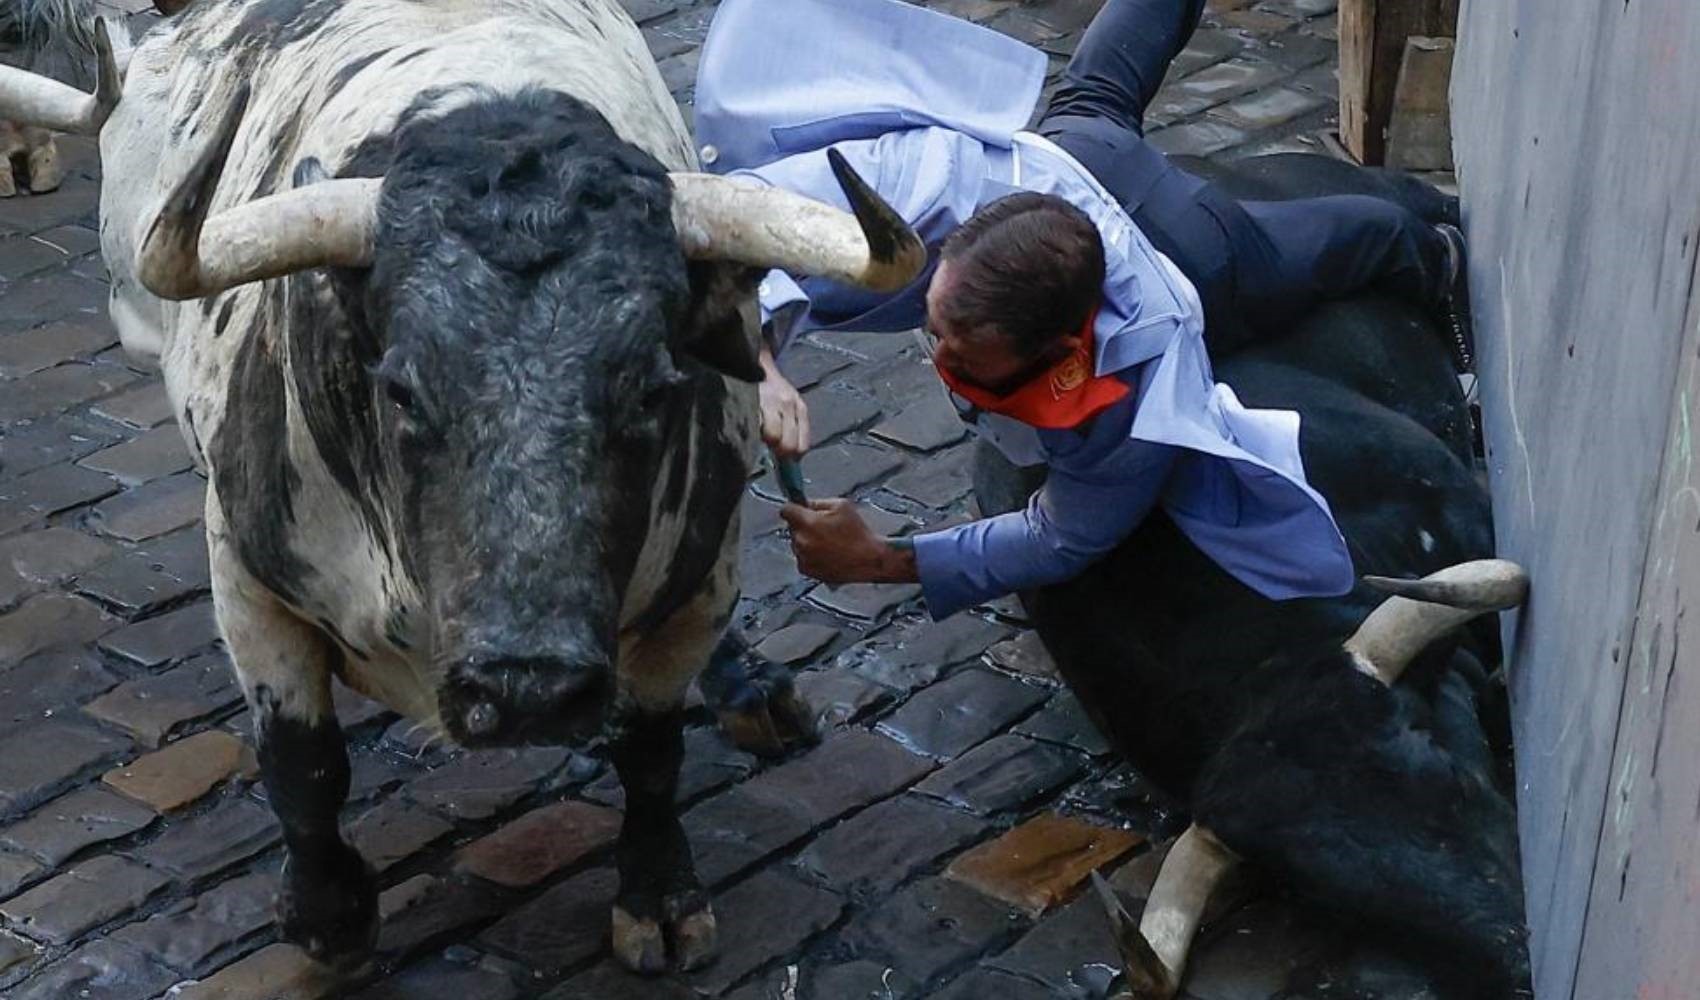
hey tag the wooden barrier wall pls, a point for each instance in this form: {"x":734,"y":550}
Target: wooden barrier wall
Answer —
{"x":1577,"y":134}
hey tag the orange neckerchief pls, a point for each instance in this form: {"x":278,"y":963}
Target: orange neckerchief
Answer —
{"x":1061,"y":397}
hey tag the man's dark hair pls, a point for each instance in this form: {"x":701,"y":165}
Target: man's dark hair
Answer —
{"x":1031,"y":265}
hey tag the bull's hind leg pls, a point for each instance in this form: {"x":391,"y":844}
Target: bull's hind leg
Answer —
{"x":328,"y":900}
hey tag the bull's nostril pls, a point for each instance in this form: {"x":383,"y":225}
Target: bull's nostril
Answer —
{"x":483,"y":719}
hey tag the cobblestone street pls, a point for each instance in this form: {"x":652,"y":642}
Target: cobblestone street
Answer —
{"x":935,"y":844}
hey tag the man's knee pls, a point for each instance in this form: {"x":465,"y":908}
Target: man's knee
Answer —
{"x":1385,"y":220}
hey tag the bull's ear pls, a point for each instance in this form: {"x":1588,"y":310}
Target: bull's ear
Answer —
{"x":724,"y":328}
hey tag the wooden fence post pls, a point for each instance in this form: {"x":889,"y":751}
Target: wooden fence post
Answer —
{"x":1419,"y":134}
{"x":1372,"y":49}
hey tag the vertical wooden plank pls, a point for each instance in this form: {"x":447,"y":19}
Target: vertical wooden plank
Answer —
{"x":1419,"y":133}
{"x":1372,"y":46}
{"x":1577,"y":135}
{"x":1643,"y":925}
{"x":1357,"y":61}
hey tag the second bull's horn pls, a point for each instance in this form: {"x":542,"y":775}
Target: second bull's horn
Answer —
{"x":1422,"y":611}
{"x":29,"y":99}
{"x":719,"y":218}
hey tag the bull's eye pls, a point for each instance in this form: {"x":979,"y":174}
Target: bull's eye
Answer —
{"x":408,"y":412}
{"x":656,"y":397}
{"x":400,"y":396}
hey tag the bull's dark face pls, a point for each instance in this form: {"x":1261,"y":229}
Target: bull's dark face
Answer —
{"x":539,"y":378}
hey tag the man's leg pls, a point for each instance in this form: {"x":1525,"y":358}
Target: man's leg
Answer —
{"x":1256,"y":265}
{"x":1097,"y":116}
{"x":1290,"y":255}
{"x":1121,"y":60}
{"x":1296,"y":253}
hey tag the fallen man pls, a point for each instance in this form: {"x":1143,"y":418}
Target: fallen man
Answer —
{"x":1081,"y":281}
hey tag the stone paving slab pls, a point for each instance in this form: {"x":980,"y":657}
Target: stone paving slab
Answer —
{"x":949,"y":746}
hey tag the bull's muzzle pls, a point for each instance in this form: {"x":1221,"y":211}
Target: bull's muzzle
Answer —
{"x":495,"y":700}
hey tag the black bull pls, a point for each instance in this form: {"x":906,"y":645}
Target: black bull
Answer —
{"x":1383,"y":805}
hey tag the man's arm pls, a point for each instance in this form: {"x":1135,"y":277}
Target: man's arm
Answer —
{"x":784,"y":414}
{"x":834,"y":545}
{"x":1084,"y":510}
{"x":1077,"y":517}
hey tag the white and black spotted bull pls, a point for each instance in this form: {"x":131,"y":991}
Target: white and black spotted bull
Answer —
{"x":466,"y":351}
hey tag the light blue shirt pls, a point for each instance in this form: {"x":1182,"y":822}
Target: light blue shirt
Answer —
{"x":929,"y":109}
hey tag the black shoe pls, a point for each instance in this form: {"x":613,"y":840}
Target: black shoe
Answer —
{"x":1455,"y":300}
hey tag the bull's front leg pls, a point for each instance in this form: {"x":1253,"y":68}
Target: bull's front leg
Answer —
{"x":12,"y":148}
{"x":328,"y":901}
{"x":662,"y":907}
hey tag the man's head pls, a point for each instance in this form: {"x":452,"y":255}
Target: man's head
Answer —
{"x":1014,"y":287}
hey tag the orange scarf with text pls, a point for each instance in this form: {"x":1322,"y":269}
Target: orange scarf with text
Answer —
{"x":1063,"y":396}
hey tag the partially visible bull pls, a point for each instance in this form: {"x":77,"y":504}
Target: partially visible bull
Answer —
{"x":1340,"y":745}
{"x":57,"y":40}
{"x":466,"y":350}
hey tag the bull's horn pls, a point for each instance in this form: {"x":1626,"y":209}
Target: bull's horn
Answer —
{"x":185,"y":255}
{"x":28,"y":99}
{"x":724,"y":219}
{"x":1424,"y":610}
{"x":1154,"y":951}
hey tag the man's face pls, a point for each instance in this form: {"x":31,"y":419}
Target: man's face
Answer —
{"x":981,"y":356}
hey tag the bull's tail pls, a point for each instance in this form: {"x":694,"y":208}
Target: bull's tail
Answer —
{"x":58,"y":37}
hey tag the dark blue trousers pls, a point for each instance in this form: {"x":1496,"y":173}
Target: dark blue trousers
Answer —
{"x":1257,"y":264}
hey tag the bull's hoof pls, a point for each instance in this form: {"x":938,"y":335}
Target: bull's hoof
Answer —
{"x":639,"y":943}
{"x":757,"y":703}
{"x":756,"y":700}
{"x":689,"y":935}
{"x":694,"y":932}
{"x":45,"y":173}
{"x":772,"y":721}
{"x":331,"y":913}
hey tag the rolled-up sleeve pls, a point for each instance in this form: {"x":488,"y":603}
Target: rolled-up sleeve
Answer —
{"x":1086,"y":507}
{"x":930,"y":176}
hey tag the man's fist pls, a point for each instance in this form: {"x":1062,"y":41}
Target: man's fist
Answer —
{"x":784,"y":414}
{"x":834,"y":545}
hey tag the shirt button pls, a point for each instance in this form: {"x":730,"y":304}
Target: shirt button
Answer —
{"x":709,"y":154}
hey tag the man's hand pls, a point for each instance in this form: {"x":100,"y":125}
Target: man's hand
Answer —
{"x":834,"y":545}
{"x":784,"y":415}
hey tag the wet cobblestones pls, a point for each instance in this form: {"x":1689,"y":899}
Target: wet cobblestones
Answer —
{"x":932,"y":846}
